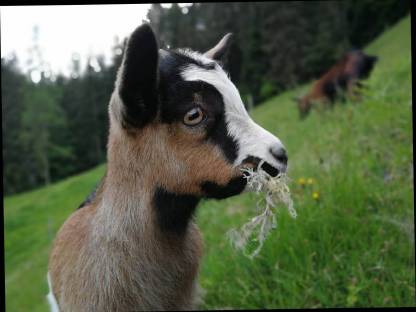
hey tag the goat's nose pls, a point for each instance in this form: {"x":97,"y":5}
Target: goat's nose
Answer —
{"x":279,"y":153}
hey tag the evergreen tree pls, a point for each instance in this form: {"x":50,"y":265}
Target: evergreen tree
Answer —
{"x":54,"y":128}
{"x":12,"y":94}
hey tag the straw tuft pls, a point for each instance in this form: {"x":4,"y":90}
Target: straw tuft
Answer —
{"x":272,"y":191}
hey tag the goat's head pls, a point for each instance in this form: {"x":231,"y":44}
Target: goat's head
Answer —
{"x":367,"y":65}
{"x":304,"y":106}
{"x":179,"y":116}
{"x":362,"y":64}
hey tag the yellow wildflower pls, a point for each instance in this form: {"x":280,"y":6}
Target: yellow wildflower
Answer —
{"x":301,"y":181}
{"x":310,"y":181}
{"x":315,"y":195}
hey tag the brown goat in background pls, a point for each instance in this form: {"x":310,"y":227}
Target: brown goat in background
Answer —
{"x":340,"y":79}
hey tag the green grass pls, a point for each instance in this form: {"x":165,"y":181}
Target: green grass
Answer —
{"x":31,"y":221}
{"x":353,"y":247}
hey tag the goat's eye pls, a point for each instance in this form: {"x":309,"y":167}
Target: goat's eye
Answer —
{"x":193,"y":117}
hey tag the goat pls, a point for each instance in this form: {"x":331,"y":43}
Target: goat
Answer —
{"x":179,"y":132}
{"x":343,"y":77}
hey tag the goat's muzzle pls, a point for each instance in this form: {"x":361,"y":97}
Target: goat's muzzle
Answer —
{"x":253,"y":162}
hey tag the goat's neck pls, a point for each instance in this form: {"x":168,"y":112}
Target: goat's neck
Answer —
{"x":127,"y":237}
{"x":128,"y":208}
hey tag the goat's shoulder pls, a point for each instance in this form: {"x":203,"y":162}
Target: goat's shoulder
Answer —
{"x":68,"y":246}
{"x":73,"y":233}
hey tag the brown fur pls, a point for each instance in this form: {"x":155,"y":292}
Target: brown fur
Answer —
{"x":111,"y":255}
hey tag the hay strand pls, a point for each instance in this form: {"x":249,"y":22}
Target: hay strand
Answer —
{"x":272,"y":191}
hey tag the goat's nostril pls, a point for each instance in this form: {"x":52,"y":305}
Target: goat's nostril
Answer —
{"x":279,"y":153}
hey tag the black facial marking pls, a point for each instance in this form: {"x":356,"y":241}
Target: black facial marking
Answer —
{"x":179,"y":96}
{"x":213,"y":190}
{"x":173,"y":211}
{"x":218,"y":134}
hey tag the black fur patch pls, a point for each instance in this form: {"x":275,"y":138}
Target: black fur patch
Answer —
{"x":234,"y":187}
{"x":177,"y":96}
{"x":138,"y":88}
{"x":218,"y":134}
{"x":173,"y":211}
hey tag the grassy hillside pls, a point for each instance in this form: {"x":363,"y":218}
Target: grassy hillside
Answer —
{"x":352,"y":247}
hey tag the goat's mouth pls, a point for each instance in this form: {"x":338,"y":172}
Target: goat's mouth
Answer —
{"x":253,"y":162}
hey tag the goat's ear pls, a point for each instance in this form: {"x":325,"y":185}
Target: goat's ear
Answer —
{"x":220,"y":50}
{"x":138,"y":78}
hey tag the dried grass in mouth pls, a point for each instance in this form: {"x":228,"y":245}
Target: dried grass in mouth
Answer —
{"x":272,"y":191}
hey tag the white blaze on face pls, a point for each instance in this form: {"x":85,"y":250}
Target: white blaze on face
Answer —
{"x":252,"y":139}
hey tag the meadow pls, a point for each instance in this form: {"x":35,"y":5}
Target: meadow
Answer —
{"x":352,"y":244}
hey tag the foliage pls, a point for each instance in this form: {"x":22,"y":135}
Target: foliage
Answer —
{"x":277,"y":45}
{"x":352,"y":243}
{"x":368,"y":18}
{"x":12,"y":85}
{"x":285,"y":42}
{"x":267,"y":90}
{"x":45,"y":124}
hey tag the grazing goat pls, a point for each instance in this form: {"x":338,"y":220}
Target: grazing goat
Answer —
{"x":343,"y":77}
{"x":179,"y":132}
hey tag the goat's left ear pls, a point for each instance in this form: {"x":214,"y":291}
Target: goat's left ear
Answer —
{"x":220,"y":50}
{"x":138,"y":78}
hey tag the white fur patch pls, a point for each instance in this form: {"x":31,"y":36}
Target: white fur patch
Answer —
{"x":252,"y":139}
{"x":196,"y":56}
{"x":51,"y":298}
